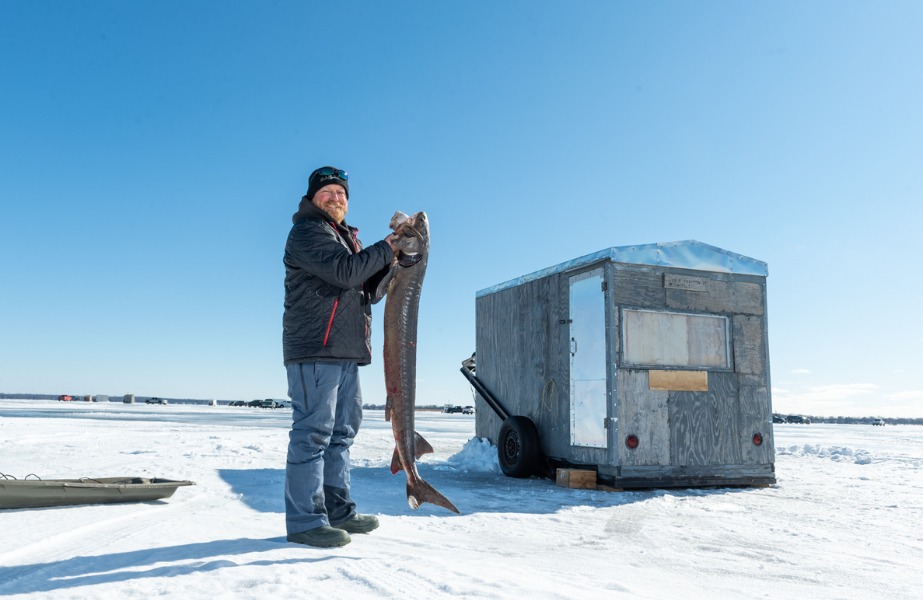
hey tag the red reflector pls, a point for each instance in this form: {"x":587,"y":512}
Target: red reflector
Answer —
{"x":631,"y":441}
{"x":758,"y":439}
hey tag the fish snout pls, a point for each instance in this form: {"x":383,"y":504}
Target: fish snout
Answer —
{"x":397,"y":219}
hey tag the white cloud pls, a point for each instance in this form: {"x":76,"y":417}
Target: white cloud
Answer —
{"x":906,"y":395}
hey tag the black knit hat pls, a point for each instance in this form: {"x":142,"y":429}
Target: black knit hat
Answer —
{"x":326,"y":176}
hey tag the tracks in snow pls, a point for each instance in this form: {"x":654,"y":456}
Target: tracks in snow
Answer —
{"x":71,"y":553}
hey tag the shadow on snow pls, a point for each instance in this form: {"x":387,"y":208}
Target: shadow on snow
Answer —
{"x":376,"y":491}
{"x":124,"y":566}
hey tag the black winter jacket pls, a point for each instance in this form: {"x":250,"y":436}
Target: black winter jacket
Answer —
{"x":328,"y":282}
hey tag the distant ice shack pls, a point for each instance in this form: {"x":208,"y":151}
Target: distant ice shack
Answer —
{"x":649,"y":363}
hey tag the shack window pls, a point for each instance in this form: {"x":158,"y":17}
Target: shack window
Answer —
{"x":665,"y":339}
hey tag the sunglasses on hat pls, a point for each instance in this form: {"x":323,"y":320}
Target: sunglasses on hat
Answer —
{"x":325,"y":173}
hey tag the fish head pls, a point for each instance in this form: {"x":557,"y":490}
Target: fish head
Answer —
{"x":412,"y":237}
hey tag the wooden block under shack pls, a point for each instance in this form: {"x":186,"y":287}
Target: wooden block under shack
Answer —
{"x":576,"y":478}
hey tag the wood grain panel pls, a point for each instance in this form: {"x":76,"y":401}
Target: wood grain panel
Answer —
{"x":644,"y":413}
{"x":704,"y":425}
{"x":749,"y":347}
{"x":720,"y":297}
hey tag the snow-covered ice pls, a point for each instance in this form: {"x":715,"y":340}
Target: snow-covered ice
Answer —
{"x":845,"y":519}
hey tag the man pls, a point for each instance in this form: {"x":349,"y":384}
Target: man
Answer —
{"x":329,"y":283}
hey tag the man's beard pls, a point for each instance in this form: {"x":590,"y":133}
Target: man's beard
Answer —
{"x":336,"y":211}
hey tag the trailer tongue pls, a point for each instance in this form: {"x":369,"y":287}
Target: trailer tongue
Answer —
{"x":518,"y":448}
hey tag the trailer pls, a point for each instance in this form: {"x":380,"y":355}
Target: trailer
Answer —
{"x":647,"y":364}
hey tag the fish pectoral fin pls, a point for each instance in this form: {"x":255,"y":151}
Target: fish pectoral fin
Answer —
{"x":388,"y":409}
{"x":396,"y":464}
{"x":421,"y":446}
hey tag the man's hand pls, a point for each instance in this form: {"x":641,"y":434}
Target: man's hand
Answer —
{"x":392,"y":241}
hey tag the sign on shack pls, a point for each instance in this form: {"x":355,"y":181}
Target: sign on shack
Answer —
{"x":648,"y":364}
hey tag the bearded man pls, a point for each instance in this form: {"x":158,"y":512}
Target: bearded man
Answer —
{"x":329,"y":283}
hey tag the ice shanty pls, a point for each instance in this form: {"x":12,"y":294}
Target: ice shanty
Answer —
{"x":647,"y":364}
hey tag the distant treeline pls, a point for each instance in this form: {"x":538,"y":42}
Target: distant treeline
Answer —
{"x":813,"y":418}
{"x":143,"y":399}
{"x":418,"y":407}
{"x":115,"y":398}
{"x":864,"y":420}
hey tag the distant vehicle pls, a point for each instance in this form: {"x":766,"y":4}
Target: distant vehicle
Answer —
{"x":778,"y":419}
{"x":798,"y":419}
{"x":255,"y":403}
{"x":877,"y":422}
{"x":270,"y":403}
{"x":155,"y":401}
{"x":468,"y":410}
{"x":452,"y":409}
{"x":65,"y":398}
{"x":238,"y":403}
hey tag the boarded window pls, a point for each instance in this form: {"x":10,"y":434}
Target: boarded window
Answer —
{"x":666,"y":339}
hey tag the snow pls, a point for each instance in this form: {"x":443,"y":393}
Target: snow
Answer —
{"x":845,"y":519}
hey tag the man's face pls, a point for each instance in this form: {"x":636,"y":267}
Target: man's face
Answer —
{"x":332,"y":200}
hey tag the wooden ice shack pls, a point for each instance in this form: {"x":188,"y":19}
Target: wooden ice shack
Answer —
{"x":647,"y":363}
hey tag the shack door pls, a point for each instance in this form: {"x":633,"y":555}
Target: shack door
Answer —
{"x":588,"y":359}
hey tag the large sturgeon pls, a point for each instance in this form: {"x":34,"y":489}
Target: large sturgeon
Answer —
{"x":404,"y":283}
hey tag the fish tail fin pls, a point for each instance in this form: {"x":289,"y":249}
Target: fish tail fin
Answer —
{"x":420,"y":491}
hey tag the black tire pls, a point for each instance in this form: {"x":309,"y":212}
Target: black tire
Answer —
{"x":518,"y":448}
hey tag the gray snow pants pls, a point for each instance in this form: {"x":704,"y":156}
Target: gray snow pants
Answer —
{"x":326,"y":413}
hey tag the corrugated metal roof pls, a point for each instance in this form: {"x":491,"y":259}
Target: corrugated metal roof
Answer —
{"x":686,"y":254}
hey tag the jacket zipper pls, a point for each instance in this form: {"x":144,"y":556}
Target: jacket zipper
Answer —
{"x":336,"y":302}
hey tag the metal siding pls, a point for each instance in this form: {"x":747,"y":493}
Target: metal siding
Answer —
{"x":688,"y":254}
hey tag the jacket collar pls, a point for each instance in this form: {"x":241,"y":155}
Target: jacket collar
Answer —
{"x":308,"y":211}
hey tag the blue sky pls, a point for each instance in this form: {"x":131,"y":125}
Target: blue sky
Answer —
{"x":152,"y":154}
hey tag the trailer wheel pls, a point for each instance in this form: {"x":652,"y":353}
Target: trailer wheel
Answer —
{"x":518,"y":448}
